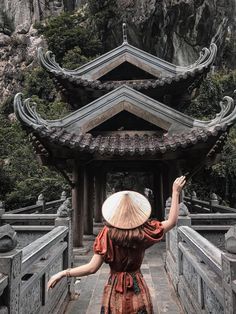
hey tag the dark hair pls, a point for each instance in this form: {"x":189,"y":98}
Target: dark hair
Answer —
{"x":126,"y":237}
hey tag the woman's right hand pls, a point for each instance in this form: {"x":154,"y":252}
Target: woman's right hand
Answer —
{"x":55,"y":279}
{"x":178,"y":184}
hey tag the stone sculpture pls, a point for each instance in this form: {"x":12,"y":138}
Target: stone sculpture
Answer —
{"x":7,"y":238}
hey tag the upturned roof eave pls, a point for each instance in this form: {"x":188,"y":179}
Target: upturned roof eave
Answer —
{"x":206,"y":58}
{"x":177,"y":121}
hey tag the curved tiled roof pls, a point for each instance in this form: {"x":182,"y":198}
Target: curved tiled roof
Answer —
{"x":135,"y":84}
{"x":127,"y":145}
{"x":173,"y":73}
{"x":59,"y":132}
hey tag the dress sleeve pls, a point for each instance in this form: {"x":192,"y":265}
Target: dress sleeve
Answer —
{"x":153,"y":232}
{"x":103,"y":245}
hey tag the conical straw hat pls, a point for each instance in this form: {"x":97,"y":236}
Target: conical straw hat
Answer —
{"x":126,"y":209}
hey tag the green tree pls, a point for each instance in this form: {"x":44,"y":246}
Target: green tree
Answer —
{"x":68,"y":32}
{"x":22,"y":178}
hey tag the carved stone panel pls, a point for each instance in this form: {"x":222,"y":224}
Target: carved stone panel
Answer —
{"x":27,"y":237}
{"x":212,"y":304}
{"x":190,"y":276}
{"x":173,"y":243}
{"x":31,"y":300}
{"x":56,"y":266}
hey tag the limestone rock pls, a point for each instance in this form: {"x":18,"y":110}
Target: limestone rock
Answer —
{"x":173,"y":30}
{"x":4,"y":40}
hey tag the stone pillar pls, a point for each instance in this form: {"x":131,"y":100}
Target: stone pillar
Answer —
{"x":213,"y":202}
{"x":229,"y":272}
{"x":63,"y":195}
{"x":68,"y":253}
{"x":10,"y":265}
{"x":41,"y":202}
{"x":2,"y":211}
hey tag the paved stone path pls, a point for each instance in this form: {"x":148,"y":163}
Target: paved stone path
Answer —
{"x":90,"y":288}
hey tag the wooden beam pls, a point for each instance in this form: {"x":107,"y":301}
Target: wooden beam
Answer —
{"x":78,"y":205}
{"x":89,"y":202}
{"x":158,"y":194}
{"x":98,"y":196}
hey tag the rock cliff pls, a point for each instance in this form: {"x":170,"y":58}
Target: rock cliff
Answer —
{"x":175,"y":30}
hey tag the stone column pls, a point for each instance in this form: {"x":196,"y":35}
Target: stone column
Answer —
{"x":68,"y":254}
{"x":229,"y":272}
{"x":2,"y":211}
{"x":41,"y":202}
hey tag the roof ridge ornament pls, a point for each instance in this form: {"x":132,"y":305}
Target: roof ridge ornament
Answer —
{"x":124,"y":31}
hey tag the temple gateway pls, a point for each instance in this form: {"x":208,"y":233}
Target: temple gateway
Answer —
{"x":127,"y":129}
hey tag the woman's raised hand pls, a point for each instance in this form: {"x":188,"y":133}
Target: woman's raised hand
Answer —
{"x":55,"y":279}
{"x":179,"y":184}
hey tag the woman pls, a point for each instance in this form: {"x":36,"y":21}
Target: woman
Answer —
{"x":122,"y":244}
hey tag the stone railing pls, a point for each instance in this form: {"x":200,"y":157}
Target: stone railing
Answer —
{"x":31,"y":226}
{"x":24,"y":273}
{"x":210,"y":206}
{"x":41,"y":206}
{"x":204,"y":276}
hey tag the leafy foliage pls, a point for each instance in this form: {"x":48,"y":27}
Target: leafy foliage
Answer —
{"x":103,"y":11}
{"x":220,"y":178}
{"x":71,"y":33}
{"x":37,"y":82}
{"x":22,"y":178}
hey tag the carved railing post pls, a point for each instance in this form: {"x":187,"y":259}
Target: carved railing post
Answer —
{"x":229,"y":272}
{"x":193,"y":195}
{"x":213,"y":202}
{"x":63,"y":195}
{"x":2,"y":210}
{"x":173,"y":254}
{"x":64,"y":215}
{"x":41,"y":202}
{"x":10,"y":265}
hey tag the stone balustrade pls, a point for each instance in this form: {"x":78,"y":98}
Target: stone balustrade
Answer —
{"x":41,"y":206}
{"x":204,"y":276}
{"x":212,"y":205}
{"x":25,"y":273}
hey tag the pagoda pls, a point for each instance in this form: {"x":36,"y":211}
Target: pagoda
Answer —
{"x":127,"y":129}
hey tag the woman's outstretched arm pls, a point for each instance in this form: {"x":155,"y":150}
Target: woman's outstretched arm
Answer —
{"x":84,"y":270}
{"x":174,"y":208}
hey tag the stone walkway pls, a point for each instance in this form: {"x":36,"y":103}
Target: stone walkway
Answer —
{"x":90,"y":288}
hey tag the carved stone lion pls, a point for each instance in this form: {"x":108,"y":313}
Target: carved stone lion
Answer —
{"x":7,"y":238}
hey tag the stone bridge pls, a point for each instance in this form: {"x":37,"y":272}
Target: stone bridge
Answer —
{"x":186,"y":273}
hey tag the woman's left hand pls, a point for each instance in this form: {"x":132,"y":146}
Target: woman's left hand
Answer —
{"x":179,"y":184}
{"x":55,"y":279}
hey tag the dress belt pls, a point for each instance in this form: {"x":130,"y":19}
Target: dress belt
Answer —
{"x":123,"y":280}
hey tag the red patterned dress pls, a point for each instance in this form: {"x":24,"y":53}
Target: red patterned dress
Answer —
{"x":126,"y":291}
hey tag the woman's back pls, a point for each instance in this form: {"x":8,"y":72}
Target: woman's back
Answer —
{"x":126,"y":290}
